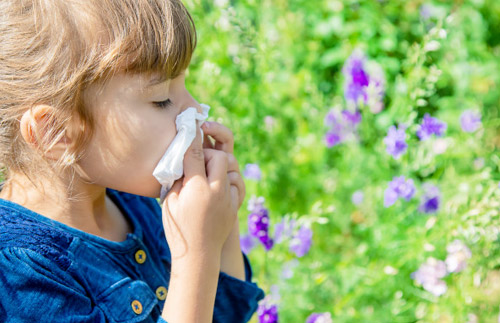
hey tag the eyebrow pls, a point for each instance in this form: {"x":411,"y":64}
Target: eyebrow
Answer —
{"x":156,"y":80}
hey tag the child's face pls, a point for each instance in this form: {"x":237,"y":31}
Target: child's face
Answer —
{"x":132,"y":130}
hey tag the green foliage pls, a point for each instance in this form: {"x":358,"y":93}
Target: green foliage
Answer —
{"x":272,"y":69}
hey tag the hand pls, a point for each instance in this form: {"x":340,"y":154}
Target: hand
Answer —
{"x":231,"y":256}
{"x":224,"y":141}
{"x":199,"y":211}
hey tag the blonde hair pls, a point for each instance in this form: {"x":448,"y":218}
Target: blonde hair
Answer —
{"x":52,"y":50}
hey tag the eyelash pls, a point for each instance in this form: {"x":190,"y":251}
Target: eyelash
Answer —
{"x":163,"y":104}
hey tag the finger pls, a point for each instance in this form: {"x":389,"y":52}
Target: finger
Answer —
{"x":216,"y":166}
{"x":236,"y":180}
{"x":232,"y":165}
{"x":175,"y":190}
{"x":224,"y":139}
{"x":235,"y":197}
{"x":170,"y":200}
{"x":194,"y":160}
{"x":173,"y":195}
{"x":207,"y":142}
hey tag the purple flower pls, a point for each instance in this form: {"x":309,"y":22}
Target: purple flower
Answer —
{"x":426,"y":11}
{"x":342,"y":126}
{"x":364,"y":82}
{"x":352,"y":117}
{"x":288,"y":267}
{"x":319,"y":318}
{"x":284,"y":230}
{"x":274,"y":293}
{"x":390,"y":197}
{"x":429,"y":274}
{"x":332,"y":138}
{"x":313,"y":317}
{"x":376,"y":88}
{"x":247,"y":243}
{"x":429,"y":11}
{"x":267,"y":313}
{"x":255,"y":203}
{"x":395,"y":141}
{"x":331,"y":119}
{"x":357,"y":198}
{"x":252,"y":171}
{"x":356,"y":78}
{"x":301,"y":242}
{"x":470,"y":121}
{"x":458,"y":253}
{"x":399,"y":187}
{"x":430,"y":201}
{"x":258,"y":222}
{"x":430,"y":126}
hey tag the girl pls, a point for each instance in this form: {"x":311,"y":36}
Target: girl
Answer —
{"x":89,"y":94}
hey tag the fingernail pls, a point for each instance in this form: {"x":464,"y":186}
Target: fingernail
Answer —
{"x":206,"y":124}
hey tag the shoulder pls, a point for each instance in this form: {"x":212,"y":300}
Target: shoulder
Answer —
{"x":34,"y":288}
{"x":33,"y":254}
{"x":20,"y":230}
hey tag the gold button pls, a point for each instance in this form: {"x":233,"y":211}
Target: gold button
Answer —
{"x":161,"y":293}
{"x":137,"y":307}
{"x":140,"y":256}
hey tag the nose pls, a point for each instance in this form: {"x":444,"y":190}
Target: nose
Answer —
{"x":191,"y":102}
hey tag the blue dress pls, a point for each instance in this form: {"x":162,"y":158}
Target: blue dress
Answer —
{"x":50,"y":272}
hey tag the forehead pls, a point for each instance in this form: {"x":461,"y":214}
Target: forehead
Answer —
{"x":154,"y":79}
{"x":134,"y":81}
{"x":124,"y":86}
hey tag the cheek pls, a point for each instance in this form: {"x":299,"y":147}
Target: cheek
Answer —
{"x":153,"y":146}
{"x":144,"y":142}
{"x":127,"y":150}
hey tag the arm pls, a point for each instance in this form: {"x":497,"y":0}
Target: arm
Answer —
{"x":198,"y":215}
{"x":192,"y":281}
{"x":237,"y":297}
{"x":232,"y":259}
{"x":232,"y":262}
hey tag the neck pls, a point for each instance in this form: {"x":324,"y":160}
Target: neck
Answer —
{"x":84,"y":207}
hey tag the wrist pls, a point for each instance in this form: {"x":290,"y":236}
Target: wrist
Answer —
{"x":232,"y":262}
{"x":192,"y":288}
{"x":234,"y":235}
{"x":192,"y":263}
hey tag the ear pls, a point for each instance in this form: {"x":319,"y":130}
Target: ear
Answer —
{"x":37,"y":129}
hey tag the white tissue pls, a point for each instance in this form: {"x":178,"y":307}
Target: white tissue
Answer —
{"x":170,"y":167}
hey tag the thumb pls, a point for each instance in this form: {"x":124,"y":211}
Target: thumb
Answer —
{"x":194,"y":160}
{"x":173,"y":195}
{"x":175,"y":190}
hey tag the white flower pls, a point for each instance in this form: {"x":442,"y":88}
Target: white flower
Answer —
{"x":432,"y":46}
{"x":429,"y":274}
{"x":458,"y":253}
{"x":221,"y":3}
{"x":324,"y":318}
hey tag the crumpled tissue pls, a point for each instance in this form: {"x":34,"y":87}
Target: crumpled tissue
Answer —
{"x":170,"y":166}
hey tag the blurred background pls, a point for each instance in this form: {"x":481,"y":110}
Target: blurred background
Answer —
{"x":368,"y":133}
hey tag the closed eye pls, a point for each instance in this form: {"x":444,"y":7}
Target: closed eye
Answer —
{"x":163,"y":104}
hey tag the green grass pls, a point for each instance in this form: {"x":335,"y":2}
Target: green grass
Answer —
{"x":283,"y":59}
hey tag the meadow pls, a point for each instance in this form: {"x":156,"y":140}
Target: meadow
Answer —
{"x":368,"y":133}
